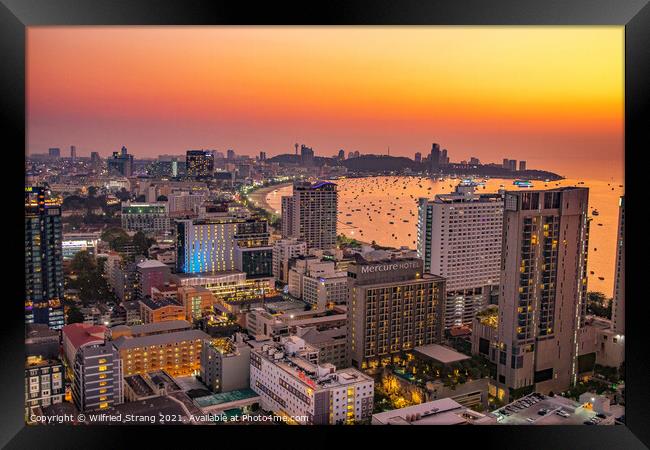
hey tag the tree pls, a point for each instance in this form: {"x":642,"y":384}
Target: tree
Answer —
{"x":142,"y":243}
{"x":74,"y":315}
{"x":123,"y":195}
{"x":82,"y":261}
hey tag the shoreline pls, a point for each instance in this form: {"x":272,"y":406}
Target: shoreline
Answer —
{"x":258,"y":196}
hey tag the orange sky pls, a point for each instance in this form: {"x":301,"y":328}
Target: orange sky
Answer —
{"x":550,"y":95}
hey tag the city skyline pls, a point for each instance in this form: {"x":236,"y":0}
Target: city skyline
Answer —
{"x":552,"y":91}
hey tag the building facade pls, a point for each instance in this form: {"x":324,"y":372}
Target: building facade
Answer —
{"x":145,"y":217}
{"x":283,"y":251}
{"x":312,"y":213}
{"x":291,"y":382}
{"x":43,"y":383}
{"x":459,"y":238}
{"x":618,"y":308}
{"x":543,"y":286}
{"x":392,"y":307}
{"x":97,"y":382}
{"x":43,"y":259}
{"x":225,"y":364}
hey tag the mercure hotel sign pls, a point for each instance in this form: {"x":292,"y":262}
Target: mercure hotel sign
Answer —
{"x":390,"y":267}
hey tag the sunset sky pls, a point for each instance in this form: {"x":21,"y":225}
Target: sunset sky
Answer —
{"x":550,"y":95}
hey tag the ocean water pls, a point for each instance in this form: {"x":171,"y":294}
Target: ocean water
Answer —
{"x":384,"y":210}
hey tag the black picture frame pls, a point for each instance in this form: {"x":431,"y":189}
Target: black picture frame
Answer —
{"x":16,"y":15}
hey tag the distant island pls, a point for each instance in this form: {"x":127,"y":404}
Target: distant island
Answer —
{"x":384,"y":164}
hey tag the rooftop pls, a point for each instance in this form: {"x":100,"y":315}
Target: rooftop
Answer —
{"x":538,"y":409}
{"x":225,"y":397}
{"x":152,"y":264}
{"x":160,"y":327}
{"x":438,"y":412}
{"x":442,"y":354}
{"x":126,"y":342}
{"x":160,"y":302}
{"x":139,"y":385}
{"x":81,"y":334}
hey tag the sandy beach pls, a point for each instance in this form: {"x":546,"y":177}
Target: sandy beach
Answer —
{"x":258,"y":197}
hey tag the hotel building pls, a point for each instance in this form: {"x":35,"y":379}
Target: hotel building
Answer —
{"x":178,"y":353}
{"x":392,"y":307}
{"x":208,"y":244}
{"x":310,"y":214}
{"x":542,"y":299}
{"x":291,"y":382}
{"x":459,"y":238}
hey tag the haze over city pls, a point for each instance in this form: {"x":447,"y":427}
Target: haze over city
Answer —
{"x":550,"y":95}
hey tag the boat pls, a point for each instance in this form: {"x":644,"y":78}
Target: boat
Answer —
{"x":595,"y":212}
{"x":601,"y":278}
{"x":523,"y":183}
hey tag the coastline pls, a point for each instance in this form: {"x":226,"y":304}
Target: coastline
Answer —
{"x":258,"y":196}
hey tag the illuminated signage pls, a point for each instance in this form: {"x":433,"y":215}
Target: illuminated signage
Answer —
{"x":403,"y":265}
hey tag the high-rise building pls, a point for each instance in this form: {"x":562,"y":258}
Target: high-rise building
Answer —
{"x":444,"y":159}
{"x":306,"y":155}
{"x":310,"y":214}
{"x":618,"y":307}
{"x":73,"y":153}
{"x":435,"y":158}
{"x":393,"y":307}
{"x":512,"y":164}
{"x":418,"y":157}
{"x":522,"y":166}
{"x":95,"y":160}
{"x":97,"y":382}
{"x":542,"y":300}
{"x":54,"y":152}
{"x":208,"y":244}
{"x":459,"y":238}
{"x":341,"y":154}
{"x":262,"y":156}
{"x":43,"y":259}
{"x":199,"y":163}
{"x":230,"y":154}
{"x":121,"y":163}
{"x":474,"y":161}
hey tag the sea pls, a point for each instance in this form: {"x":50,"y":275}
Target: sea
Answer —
{"x":384,"y":210}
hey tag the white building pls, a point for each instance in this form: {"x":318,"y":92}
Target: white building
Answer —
{"x":185,"y":202}
{"x":459,"y":238}
{"x":317,"y":282}
{"x":310,"y":214}
{"x":283,"y":251}
{"x":146,"y":217}
{"x":291,"y":383}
